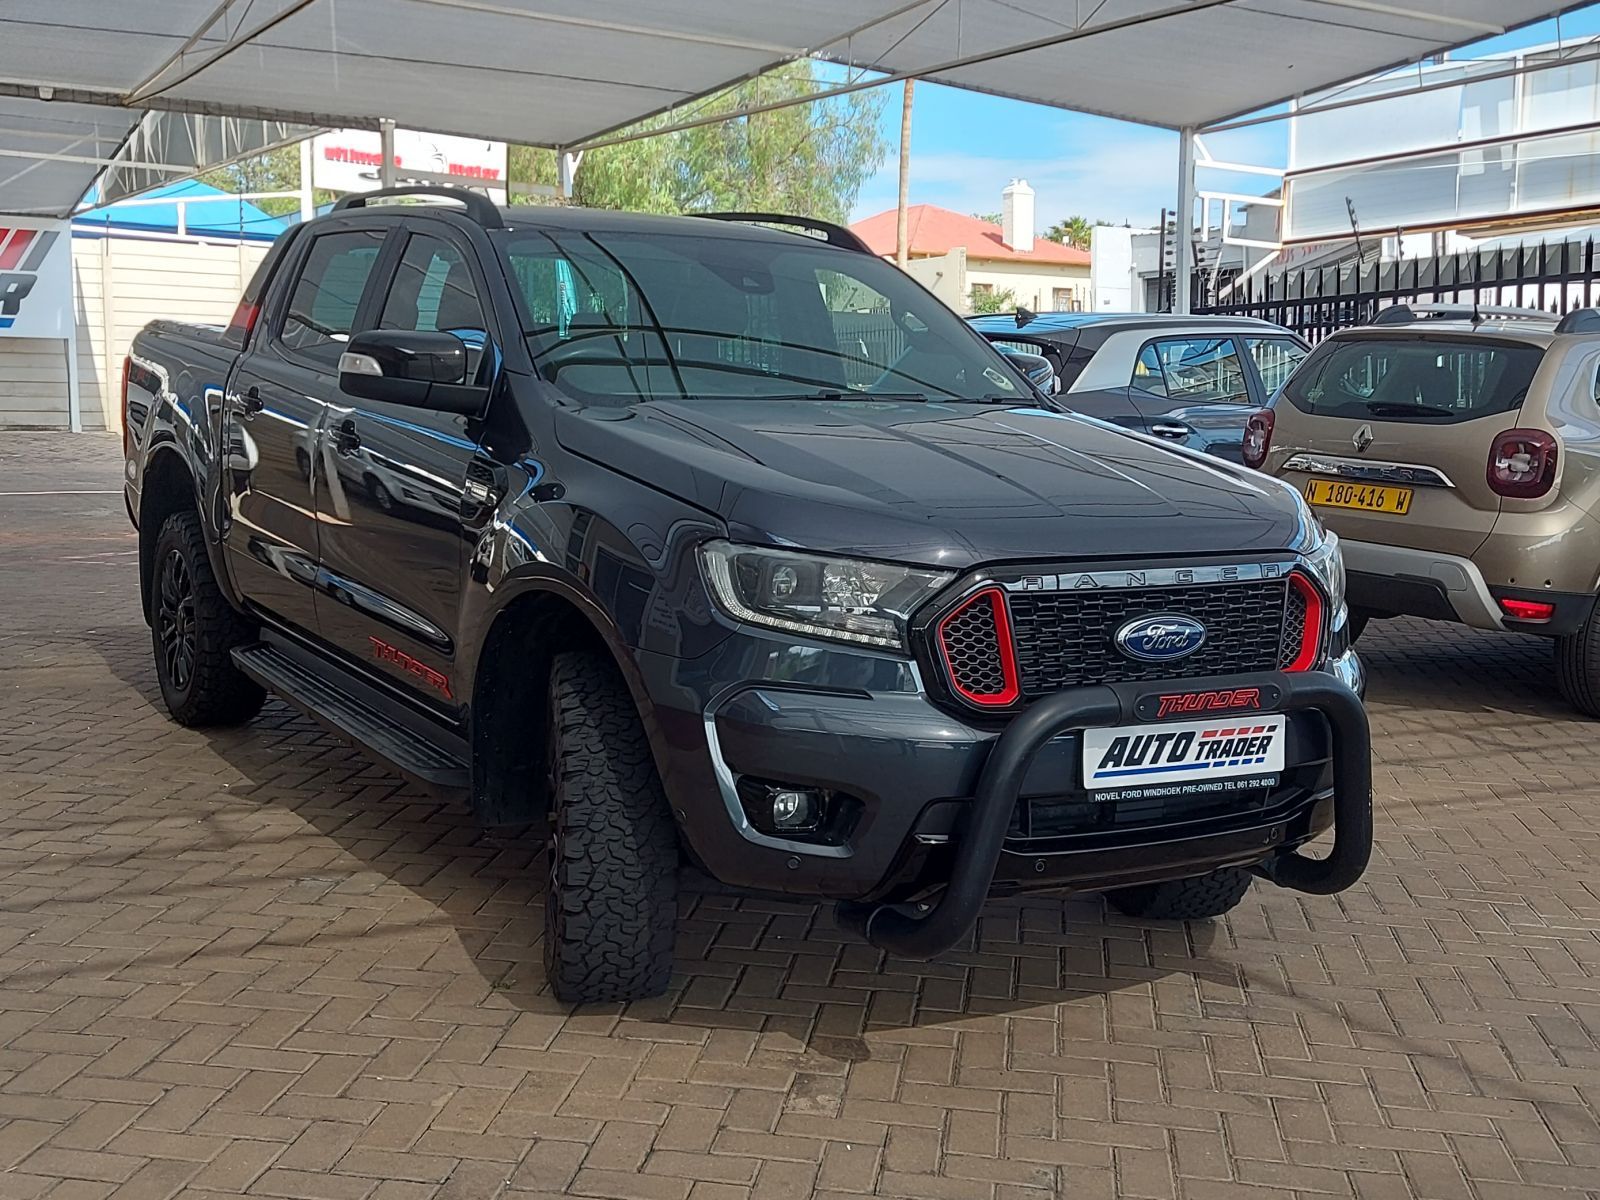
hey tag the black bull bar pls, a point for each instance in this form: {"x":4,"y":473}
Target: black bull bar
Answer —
{"x":951,"y":917}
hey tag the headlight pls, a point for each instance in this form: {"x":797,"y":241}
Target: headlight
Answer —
{"x":845,"y":599}
{"x":1327,"y":561}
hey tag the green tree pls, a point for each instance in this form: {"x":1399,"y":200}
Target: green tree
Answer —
{"x":993,"y":218}
{"x":987,"y":300}
{"x":275,"y":171}
{"x":1074,"y":231}
{"x":809,"y":159}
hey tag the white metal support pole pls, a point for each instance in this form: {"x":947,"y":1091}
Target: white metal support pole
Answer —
{"x":386,"y":152}
{"x":308,"y":195}
{"x":1183,"y":256}
{"x":74,"y":382}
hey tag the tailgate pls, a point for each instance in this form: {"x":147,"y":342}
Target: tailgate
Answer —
{"x":1407,"y":424}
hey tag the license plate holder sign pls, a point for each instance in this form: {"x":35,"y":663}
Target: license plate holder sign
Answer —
{"x":1184,"y":755}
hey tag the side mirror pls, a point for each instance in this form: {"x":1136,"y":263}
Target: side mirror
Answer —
{"x":416,"y":368}
{"x":1035,"y":366}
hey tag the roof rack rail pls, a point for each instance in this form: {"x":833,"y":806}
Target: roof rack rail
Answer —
{"x":1406,"y":314}
{"x":478,"y":207}
{"x":834,"y":235}
{"x":1580,"y":320}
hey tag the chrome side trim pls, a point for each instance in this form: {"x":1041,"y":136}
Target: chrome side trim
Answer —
{"x":1162,"y":577}
{"x":1374,"y":472}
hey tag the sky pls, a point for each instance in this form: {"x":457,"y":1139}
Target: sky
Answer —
{"x":965,"y":147}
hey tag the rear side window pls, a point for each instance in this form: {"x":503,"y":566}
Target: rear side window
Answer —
{"x":1435,"y":380}
{"x":322,"y":309}
{"x":1192,"y":371}
{"x":1275,"y":358}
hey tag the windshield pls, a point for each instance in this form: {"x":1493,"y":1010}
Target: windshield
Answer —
{"x":625,"y":317}
{"x":1435,"y":380}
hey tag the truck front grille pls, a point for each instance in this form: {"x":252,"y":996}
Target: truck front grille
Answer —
{"x":1063,"y":639}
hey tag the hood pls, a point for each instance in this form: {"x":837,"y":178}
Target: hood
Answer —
{"x":937,"y":484}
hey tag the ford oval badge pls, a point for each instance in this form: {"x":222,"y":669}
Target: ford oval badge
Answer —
{"x":1161,"y":638}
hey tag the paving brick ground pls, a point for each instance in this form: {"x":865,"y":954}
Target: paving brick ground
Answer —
{"x":251,"y":963}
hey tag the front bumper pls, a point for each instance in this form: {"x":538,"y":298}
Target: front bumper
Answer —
{"x":863,"y":726}
{"x":927,"y":930}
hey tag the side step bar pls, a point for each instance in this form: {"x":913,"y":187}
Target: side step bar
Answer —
{"x":347,"y":715}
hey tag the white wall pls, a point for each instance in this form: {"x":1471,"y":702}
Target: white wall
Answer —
{"x":1033,"y":284}
{"x":119,"y":284}
{"x":945,"y":275}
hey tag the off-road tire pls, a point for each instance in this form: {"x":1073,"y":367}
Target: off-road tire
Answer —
{"x":1578,"y":666}
{"x":611,"y":901}
{"x":193,"y":631}
{"x":1193,"y":899}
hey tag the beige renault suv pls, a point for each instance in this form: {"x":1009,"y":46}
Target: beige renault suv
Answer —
{"x":1456,"y":452}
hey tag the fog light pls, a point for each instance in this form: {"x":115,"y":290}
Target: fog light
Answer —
{"x":795,"y":810}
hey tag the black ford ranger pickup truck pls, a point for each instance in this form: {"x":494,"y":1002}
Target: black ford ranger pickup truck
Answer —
{"x":721,"y":539}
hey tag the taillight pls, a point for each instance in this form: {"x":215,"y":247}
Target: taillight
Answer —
{"x":1258,"y":438}
{"x":979,"y":655}
{"x":1310,"y":646}
{"x":244,"y":322}
{"x":1528,"y":610}
{"x":127,"y":432}
{"x":1522,"y":463}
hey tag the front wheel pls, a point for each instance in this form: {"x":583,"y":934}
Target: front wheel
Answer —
{"x":194,"y":631}
{"x":611,"y":905}
{"x":1578,"y":666}
{"x":1194,"y":899}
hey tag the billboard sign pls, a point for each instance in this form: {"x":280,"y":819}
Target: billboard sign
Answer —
{"x":351,"y":160}
{"x":35,"y":278}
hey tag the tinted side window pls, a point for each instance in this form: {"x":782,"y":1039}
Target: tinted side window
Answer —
{"x":1198,"y":370}
{"x":1276,"y":359}
{"x":1147,"y":375}
{"x":322,"y":308}
{"x":433,"y":291}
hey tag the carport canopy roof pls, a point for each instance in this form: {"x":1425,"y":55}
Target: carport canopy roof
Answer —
{"x":76,"y":74}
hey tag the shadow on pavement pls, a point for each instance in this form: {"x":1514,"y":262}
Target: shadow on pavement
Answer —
{"x":770,"y":966}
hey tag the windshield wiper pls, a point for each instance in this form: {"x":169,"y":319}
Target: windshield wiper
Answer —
{"x":1389,"y":408}
{"x":830,"y":394}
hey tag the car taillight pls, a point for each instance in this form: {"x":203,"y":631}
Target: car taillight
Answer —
{"x":1528,"y":610}
{"x":244,"y":322}
{"x":1522,"y":463}
{"x":127,"y":433}
{"x":1258,"y":438}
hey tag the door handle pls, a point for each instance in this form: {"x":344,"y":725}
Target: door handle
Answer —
{"x":251,"y":402}
{"x":1170,"y":429}
{"x":346,"y":440}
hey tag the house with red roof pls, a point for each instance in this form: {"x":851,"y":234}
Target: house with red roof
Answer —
{"x":1009,"y":257}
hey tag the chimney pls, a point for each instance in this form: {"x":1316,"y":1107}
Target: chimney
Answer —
{"x":1016,"y":216}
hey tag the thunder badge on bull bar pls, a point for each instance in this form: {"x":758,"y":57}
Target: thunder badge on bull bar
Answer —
{"x":1161,"y":754}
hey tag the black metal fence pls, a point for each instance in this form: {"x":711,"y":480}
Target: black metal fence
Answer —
{"x":1317,"y":300}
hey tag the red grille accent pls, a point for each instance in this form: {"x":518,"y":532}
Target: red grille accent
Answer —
{"x":975,"y":642}
{"x":1310,"y":645}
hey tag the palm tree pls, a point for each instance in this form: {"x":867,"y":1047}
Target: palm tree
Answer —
{"x":1074,"y":231}
{"x":901,"y":249}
